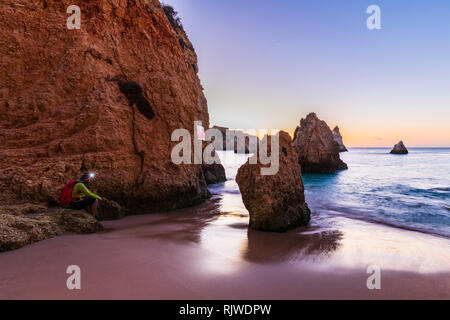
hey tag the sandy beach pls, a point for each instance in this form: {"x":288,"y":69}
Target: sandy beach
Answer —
{"x":208,"y":253}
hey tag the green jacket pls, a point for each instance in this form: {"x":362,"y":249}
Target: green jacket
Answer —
{"x":81,"y":191}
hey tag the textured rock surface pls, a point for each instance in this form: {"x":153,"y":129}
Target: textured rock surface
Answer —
{"x":275,"y":202}
{"x":18,"y":230}
{"x":315,"y":146}
{"x":104,"y":98}
{"x":23,"y":209}
{"x":338,"y":138}
{"x":76,"y":221}
{"x":400,"y":148}
{"x":110,"y":210}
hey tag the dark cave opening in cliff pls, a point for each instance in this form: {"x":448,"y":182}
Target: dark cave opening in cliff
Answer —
{"x":133,"y":92}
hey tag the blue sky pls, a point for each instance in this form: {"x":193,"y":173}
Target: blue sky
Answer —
{"x":266,"y":64}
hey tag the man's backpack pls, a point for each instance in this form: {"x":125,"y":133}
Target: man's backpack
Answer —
{"x":66,"y":192}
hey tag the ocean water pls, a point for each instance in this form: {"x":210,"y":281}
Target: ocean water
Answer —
{"x":403,"y":191}
{"x":406,"y":191}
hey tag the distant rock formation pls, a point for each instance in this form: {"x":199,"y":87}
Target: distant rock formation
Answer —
{"x":236,"y":140}
{"x":338,"y":138}
{"x":275,"y":202}
{"x":104,"y":98}
{"x":317,"y":150}
{"x":399,"y":148}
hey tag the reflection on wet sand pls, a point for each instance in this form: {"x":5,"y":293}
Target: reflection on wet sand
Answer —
{"x":183,"y":226}
{"x":294,"y":245}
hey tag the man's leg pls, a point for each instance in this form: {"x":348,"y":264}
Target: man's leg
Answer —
{"x":94,"y":207}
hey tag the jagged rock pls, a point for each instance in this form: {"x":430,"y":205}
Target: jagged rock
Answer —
{"x":400,"y":148}
{"x":275,"y":202}
{"x":214,"y":173}
{"x":104,"y":98}
{"x":338,"y":138}
{"x":18,"y":230}
{"x":110,"y":210}
{"x":315,"y":146}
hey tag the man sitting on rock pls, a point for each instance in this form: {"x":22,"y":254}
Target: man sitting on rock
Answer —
{"x":83,"y":198}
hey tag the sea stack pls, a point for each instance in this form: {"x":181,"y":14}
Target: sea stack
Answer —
{"x":338,"y":138}
{"x":317,"y":150}
{"x":275,"y":202}
{"x":399,"y":148}
{"x":105,"y":98}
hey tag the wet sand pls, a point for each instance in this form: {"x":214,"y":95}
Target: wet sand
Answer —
{"x":207,"y":252}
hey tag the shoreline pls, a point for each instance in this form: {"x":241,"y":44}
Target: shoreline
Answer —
{"x":207,"y":252}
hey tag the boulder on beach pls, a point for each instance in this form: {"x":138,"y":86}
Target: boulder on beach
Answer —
{"x":275,"y":202}
{"x":18,"y":229}
{"x":110,"y":210}
{"x":75,"y":221}
{"x":399,"y":148}
{"x":317,"y":150}
{"x":105,"y":98}
{"x":338,"y":138}
{"x":214,"y":173}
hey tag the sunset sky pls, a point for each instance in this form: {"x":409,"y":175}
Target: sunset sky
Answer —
{"x":266,"y":64}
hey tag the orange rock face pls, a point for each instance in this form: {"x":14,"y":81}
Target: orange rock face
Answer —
{"x":105,"y":98}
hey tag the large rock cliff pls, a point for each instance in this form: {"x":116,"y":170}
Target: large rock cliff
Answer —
{"x":105,"y":98}
{"x":316,"y":148}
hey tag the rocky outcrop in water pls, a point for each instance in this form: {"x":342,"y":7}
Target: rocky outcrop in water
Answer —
{"x":275,"y":202}
{"x":338,"y":138}
{"x":315,"y":146}
{"x":399,"y":148}
{"x":20,"y":226}
{"x":104,"y":98}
